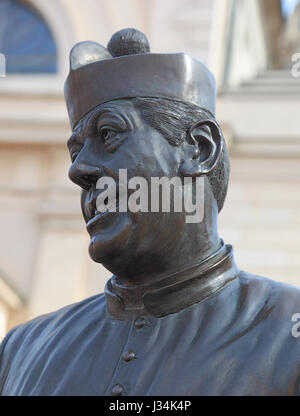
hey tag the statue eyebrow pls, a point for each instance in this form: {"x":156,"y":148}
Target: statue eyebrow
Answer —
{"x":110,"y":113}
{"x":103,"y":114}
{"x":109,"y":117}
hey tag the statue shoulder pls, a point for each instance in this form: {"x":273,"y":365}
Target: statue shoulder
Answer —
{"x":275,"y":308}
{"x":278,"y":293}
{"x":20,"y":340}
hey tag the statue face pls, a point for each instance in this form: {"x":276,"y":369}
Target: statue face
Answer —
{"x":114,"y":137}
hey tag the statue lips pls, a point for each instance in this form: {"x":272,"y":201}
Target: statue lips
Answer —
{"x":94,"y":213}
{"x":98,"y":216}
{"x":101,"y":220}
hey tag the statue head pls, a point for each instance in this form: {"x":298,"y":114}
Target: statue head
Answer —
{"x":146,"y":116}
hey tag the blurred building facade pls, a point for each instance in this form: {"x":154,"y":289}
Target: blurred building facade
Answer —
{"x":44,"y":262}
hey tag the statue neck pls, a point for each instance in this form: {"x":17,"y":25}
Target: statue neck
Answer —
{"x":174,"y":292}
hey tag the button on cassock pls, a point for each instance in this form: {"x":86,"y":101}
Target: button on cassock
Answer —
{"x":117,"y":390}
{"x":140,"y":323}
{"x":128,"y":356}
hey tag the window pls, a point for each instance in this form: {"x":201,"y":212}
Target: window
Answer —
{"x":288,"y":6}
{"x":25,"y":40}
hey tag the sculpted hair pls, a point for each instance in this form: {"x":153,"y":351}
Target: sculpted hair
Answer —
{"x":173,"y":120}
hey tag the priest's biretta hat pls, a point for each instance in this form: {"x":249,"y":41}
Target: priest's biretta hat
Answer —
{"x":127,"y":69}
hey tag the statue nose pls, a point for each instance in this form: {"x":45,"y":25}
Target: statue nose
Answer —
{"x":84,"y":175}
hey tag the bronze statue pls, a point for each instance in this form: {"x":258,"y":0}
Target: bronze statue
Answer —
{"x":178,"y":317}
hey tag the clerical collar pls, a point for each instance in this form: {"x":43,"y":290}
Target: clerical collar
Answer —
{"x":173,"y":293}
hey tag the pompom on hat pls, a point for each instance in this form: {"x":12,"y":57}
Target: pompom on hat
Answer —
{"x":127,"y":69}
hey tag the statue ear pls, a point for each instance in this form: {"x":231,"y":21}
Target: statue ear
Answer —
{"x":205,"y":143}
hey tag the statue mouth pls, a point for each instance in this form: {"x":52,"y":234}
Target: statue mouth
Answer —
{"x":100,"y":213}
{"x":100,"y":219}
{"x":95,"y":207}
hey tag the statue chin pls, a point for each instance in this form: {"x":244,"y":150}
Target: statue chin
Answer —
{"x":109,"y":236}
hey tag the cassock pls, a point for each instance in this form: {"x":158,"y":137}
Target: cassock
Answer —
{"x":209,"y":330}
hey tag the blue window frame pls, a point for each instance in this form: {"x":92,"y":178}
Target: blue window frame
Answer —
{"x":26,"y":40}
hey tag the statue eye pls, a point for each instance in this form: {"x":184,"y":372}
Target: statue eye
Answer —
{"x":107,"y":134}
